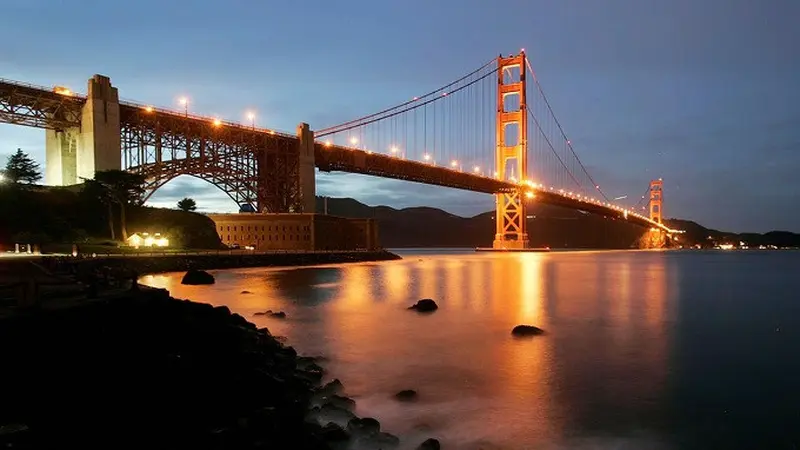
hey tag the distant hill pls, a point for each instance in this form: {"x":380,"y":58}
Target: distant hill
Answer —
{"x":430,"y":227}
{"x":550,"y":226}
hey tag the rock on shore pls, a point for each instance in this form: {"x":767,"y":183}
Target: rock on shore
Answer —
{"x":194,"y":276}
{"x":148,"y":371}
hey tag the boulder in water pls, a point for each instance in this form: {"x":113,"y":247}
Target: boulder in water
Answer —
{"x":195,"y":277}
{"x":430,"y":444}
{"x":271,"y":313}
{"x":406,"y":395}
{"x":526,"y":330}
{"x":425,"y":305}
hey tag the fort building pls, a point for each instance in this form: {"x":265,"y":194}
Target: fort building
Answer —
{"x":284,"y":231}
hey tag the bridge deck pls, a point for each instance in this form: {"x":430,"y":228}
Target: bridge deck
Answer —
{"x":346,"y":159}
{"x":37,"y":106}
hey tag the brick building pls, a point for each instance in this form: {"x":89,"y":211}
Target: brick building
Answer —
{"x":266,"y":231}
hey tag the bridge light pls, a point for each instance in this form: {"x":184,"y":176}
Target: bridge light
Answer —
{"x":62,"y":91}
{"x":530,"y":194}
{"x":426,"y":157}
{"x":495,"y":174}
{"x":185,"y":102}
{"x":148,"y":109}
{"x":394,"y":149}
{"x":454,"y":163}
{"x":272,"y":132}
{"x":476,"y":169}
{"x":328,"y":143}
{"x":354,"y":140}
{"x":217,"y":122}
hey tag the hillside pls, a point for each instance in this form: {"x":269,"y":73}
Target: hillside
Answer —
{"x":46,"y":215}
{"x":549,"y":226}
{"x":430,"y":227}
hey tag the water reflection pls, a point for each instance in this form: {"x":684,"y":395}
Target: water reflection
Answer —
{"x":600,"y":369}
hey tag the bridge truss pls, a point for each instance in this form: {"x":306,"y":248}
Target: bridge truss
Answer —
{"x":34,"y":106}
{"x":252,"y":166}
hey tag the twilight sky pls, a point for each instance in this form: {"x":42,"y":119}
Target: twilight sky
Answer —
{"x":704,"y":93}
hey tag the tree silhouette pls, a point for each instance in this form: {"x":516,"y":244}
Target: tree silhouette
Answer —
{"x":22,"y":168}
{"x":121,"y":188}
{"x":96,"y":191}
{"x":187,"y":204}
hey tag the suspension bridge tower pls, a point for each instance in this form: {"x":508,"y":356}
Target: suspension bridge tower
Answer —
{"x":511,"y":152}
{"x":656,"y":200}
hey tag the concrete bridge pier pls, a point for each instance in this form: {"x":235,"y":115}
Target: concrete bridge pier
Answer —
{"x":306,"y":174}
{"x":77,"y":152}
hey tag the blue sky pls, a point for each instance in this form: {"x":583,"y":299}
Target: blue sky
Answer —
{"x":701,"y":93}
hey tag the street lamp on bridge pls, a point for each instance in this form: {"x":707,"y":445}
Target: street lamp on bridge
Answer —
{"x":185,"y":102}
{"x":251,"y":116}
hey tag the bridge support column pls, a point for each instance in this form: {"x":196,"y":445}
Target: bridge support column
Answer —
{"x":511,"y":152}
{"x":76,"y":153}
{"x":306,"y":175}
{"x":656,"y":200}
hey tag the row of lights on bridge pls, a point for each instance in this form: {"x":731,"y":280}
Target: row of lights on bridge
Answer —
{"x":454,"y":164}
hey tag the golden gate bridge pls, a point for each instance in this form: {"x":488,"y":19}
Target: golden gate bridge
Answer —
{"x":492,"y":131}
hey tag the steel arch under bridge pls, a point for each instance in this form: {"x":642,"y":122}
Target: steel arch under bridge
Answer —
{"x":252,"y":166}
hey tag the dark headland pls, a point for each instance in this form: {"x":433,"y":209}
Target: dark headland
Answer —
{"x":138,"y":369}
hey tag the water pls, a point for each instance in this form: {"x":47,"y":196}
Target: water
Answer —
{"x":644,"y":350}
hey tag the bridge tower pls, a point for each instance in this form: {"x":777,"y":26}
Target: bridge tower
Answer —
{"x":656,"y":200}
{"x":77,"y":152}
{"x":511,"y":152}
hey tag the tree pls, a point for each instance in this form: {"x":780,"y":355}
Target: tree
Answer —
{"x":187,"y":204}
{"x":121,"y":188}
{"x":22,"y":168}
{"x":96,"y":191}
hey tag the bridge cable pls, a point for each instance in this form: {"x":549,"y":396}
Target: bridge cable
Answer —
{"x":549,"y":144}
{"x":356,"y":124}
{"x":335,"y":128}
{"x":569,"y":145}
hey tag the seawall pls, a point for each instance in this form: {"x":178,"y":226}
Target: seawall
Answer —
{"x":176,"y":263}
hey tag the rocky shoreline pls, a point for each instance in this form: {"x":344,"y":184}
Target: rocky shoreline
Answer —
{"x":144,"y":370}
